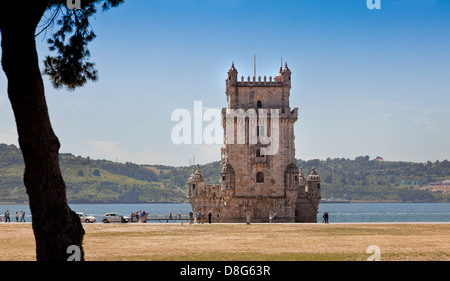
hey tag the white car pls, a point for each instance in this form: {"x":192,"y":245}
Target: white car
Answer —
{"x":85,"y":218}
{"x":114,"y":217}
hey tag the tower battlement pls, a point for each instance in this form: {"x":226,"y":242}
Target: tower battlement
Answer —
{"x":260,"y":82}
{"x":282,"y":79}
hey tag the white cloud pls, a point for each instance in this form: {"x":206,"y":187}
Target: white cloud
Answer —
{"x":383,"y":103}
{"x":425,"y":122}
{"x":383,"y":116}
{"x":407,"y":111}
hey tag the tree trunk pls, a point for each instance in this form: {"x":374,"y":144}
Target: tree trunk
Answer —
{"x":55,"y":226}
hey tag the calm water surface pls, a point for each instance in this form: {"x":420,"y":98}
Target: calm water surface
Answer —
{"x":338,"y":212}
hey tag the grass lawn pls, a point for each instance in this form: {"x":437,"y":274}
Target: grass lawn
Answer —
{"x":241,"y":242}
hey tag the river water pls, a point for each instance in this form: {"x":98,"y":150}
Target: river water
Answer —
{"x":338,"y":212}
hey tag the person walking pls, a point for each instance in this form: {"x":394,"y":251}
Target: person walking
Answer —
{"x":17,"y":216}
{"x":7,"y":216}
{"x":22,"y":216}
{"x":325,"y":217}
{"x":209,"y":217}
{"x":199,"y":217}
{"x":191,"y":217}
{"x":170,"y":215}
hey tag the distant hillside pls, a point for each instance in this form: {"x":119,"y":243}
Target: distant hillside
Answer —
{"x":89,"y":181}
{"x":375,"y":180}
{"x":101,"y":181}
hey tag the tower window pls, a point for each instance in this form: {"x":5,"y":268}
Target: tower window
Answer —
{"x":259,"y":104}
{"x":258,"y":153}
{"x":260,"y":177}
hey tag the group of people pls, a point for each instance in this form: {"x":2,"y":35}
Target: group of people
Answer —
{"x":7,"y":217}
{"x":199,"y":217}
{"x":135,"y":216}
{"x":171,"y":215}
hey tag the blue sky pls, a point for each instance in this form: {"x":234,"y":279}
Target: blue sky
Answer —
{"x":366,"y":82}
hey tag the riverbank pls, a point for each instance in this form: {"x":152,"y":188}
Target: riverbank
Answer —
{"x":255,"y":242}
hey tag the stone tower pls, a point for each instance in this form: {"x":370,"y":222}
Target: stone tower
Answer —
{"x":259,"y":174}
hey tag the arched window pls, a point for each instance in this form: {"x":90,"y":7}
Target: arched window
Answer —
{"x":260,"y":177}
{"x":259,"y":104}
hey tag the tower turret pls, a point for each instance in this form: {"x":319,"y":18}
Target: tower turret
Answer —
{"x":291,"y":176}
{"x":308,"y":197}
{"x":232,"y":76}
{"x":313,"y":184}
{"x":286,"y":74}
{"x":196,"y":183}
{"x":227,"y":181}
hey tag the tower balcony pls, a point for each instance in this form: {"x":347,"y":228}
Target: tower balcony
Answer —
{"x":261,"y":160}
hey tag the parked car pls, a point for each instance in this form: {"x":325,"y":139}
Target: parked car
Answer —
{"x":114,"y":217}
{"x":85,"y":218}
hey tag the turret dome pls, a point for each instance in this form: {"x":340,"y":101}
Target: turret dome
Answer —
{"x":292,"y":169}
{"x":196,"y":175}
{"x":313,"y":176}
{"x":232,"y":69}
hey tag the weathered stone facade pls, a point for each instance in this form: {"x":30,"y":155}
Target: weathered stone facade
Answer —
{"x":259,"y":173}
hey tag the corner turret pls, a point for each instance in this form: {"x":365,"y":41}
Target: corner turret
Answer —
{"x":308,"y":198}
{"x":291,"y":177}
{"x":232,"y":76}
{"x":196,"y":183}
{"x":227,"y":181}
{"x":286,"y":75}
{"x":313,"y":184}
